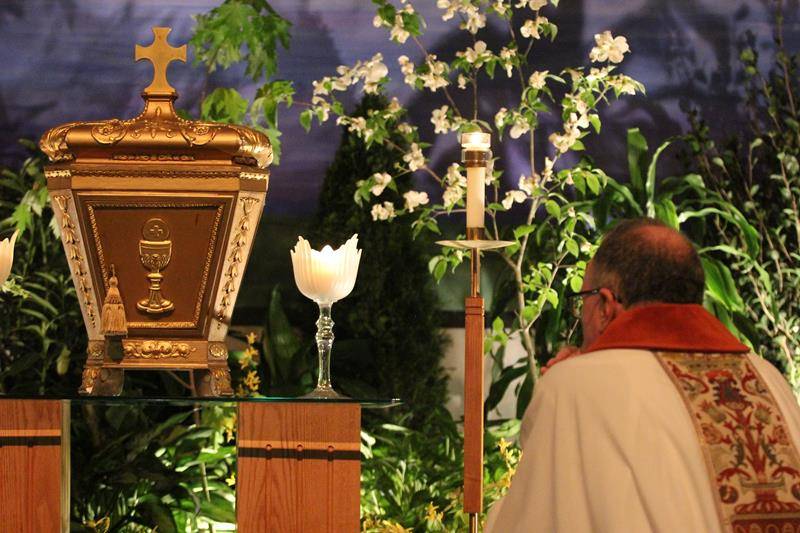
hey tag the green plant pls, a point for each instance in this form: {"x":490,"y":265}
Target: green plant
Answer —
{"x":411,"y":478}
{"x":165,"y":469}
{"x":247,"y":31}
{"x":756,"y":173}
{"x":39,"y":351}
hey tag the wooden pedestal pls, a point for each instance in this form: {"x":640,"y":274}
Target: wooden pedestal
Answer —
{"x":34,"y":454}
{"x":299,"y":468}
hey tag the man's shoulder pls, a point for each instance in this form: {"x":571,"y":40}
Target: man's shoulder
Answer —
{"x":610,"y":360}
{"x":603,"y":371}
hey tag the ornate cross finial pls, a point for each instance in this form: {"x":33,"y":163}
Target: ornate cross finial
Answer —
{"x":160,"y":54}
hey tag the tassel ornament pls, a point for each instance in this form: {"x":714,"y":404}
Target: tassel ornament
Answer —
{"x":114,"y":322}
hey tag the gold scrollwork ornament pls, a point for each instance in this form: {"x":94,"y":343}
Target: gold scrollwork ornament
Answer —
{"x":157,"y":349}
{"x":217,"y":350}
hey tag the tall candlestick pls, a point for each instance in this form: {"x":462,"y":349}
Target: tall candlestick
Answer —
{"x":476,"y":154}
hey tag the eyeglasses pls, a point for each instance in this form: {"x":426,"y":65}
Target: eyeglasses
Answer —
{"x":575,"y":299}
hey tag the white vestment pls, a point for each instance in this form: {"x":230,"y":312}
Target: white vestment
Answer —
{"x":609,"y":446}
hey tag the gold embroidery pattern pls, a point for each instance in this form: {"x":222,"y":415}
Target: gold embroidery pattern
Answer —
{"x":71,"y":243}
{"x":236,"y":257}
{"x":753,"y":463}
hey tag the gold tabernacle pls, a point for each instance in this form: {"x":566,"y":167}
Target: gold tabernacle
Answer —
{"x":157,"y":217}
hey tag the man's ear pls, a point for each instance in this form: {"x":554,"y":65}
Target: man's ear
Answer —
{"x":609,"y":306}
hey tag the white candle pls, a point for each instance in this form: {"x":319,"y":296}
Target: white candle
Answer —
{"x":476,"y":178}
{"x":476,"y":196}
{"x":327,"y":275}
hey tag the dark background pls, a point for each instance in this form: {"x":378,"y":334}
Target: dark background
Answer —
{"x":73,"y":60}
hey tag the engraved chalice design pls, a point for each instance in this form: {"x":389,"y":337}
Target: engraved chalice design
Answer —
{"x":155,"y":252}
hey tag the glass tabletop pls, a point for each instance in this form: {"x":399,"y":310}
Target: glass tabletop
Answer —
{"x":366,"y":403}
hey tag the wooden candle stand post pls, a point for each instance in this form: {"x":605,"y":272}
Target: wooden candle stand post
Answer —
{"x":473,"y":374}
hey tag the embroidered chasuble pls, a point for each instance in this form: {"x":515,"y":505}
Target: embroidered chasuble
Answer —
{"x":665,"y":424}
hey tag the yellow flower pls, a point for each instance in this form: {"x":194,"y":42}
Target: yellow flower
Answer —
{"x":228,"y":425}
{"x":99,"y":526}
{"x":231,"y":480}
{"x":245,"y":361}
{"x":252,"y":353}
{"x":252,"y":381}
{"x":387,"y":526}
{"x":251,"y":338}
{"x":432,"y":515}
{"x":503,"y":444}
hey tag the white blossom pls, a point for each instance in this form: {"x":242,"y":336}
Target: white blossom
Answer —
{"x":414,"y":158}
{"x":475,"y":19}
{"x":623,"y":84}
{"x":530,"y":28}
{"x":415,"y":199}
{"x":374,"y":71}
{"x":462,"y":82}
{"x":538,"y":79}
{"x":449,"y":6}
{"x":526,"y":184}
{"x":439,"y":119}
{"x":381,"y":180}
{"x":500,"y":117}
{"x":564,"y":141}
{"x":405,"y":128}
{"x":452,"y":195}
{"x":547,"y":173}
{"x":398,"y":32}
{"x":513,"y":197}
{"x":535,"y":5}
{"x":377,"y":21}
{"x":319,"y":87}
{"x":435,"y":77}
{"x":454,"y":176}
{"x":394,"y":105}
{"x":407,"y":68}
{"x":383,"y":212}
{"x":609,"y":48}
{"x":500,"y":7}
{"x":476,"y":54}
{"x":507,"y":57}
{"x":320,"y":104}
{"x":519,"y":128}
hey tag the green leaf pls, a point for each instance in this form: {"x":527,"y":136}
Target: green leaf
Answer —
{"x":525,"y":393}
{"x":592,"y":182}
{"x":595,"y":121}
{"x":552,"y":208}
{"x":720,"y":284}
{"x":637,"y":160}
{"x":650,"y":187}
{"x":241,"y":30}
{"x":305,"y":119}
{"x":224,"y":105}
{"x":572,"y":247}
{"x":521,"y":231}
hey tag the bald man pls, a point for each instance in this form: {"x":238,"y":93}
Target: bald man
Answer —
{"x":662,"y":420}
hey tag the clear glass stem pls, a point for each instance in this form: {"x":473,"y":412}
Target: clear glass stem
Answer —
{"x":324,"y":345}
{"x":324,"y":337}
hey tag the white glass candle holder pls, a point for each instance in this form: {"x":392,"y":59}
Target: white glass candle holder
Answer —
{"x":325,"y":276}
